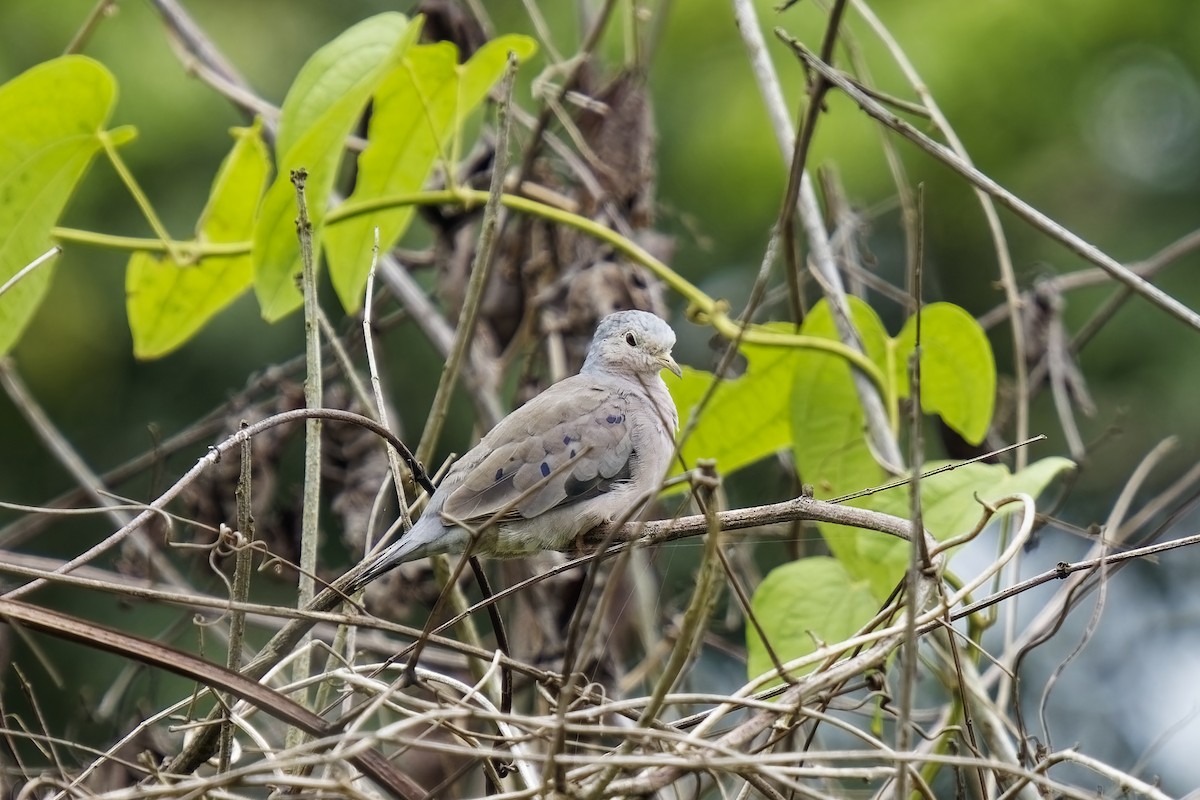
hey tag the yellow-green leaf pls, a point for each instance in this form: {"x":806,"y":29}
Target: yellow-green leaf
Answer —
{"x":51,"y":118}
{"x":958,"y":371}
{"x":418,"y":110}
{"x":802,"y":603}
{"x":318,"y":114}
{"x":168,"y":302}
{"x":950,"y":503}
{"x":828,"y":441}
{"x":748,"y":417}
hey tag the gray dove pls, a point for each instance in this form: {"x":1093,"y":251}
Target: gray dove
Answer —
{"x":588,"y":450}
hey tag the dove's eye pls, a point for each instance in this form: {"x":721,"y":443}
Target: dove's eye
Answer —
{"x":630,"y":339}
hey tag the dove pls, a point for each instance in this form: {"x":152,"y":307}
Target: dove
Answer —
{"x":590,"y":449}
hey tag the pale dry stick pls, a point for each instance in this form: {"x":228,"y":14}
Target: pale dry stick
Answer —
{"x":696,"y":615}
{"x":264,"y":775}
{"x":1160,"y":502}
{"x":1003,"y":255}
{"x":1064,"y":569}
{"x":918,"y":556}
{"x":306,"y":587}
{"x":480,"y":270}
{"x":824,"y":263}
{"x":51,"y":750}
{"x":1125,"y":782}
{"x":481,"y":378}
{"x":1036,"y":219}
{"x":1019,"y":539}
{"x":44,"y":258}
{"x":369,"y":402}
{"x":239,"y":590}
{"x":1149,"y":751}
{"x":812,"y":104}
{"x":381,"y":412}
{"x":910,"y":216}
{"x":928,"y":620}
{"x":345,"y":363}
{"x":604,"y":707}
{"x":594,"y":31}
{"x":543,"y":30}
{"x":1094,"y":276}
{"x":1056,"y":349}
{"x":1116,"y":516}
{"x":102,"y":9}
{"x":518,"y":754}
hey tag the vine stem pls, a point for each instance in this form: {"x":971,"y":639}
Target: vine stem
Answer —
{"x":313,"y":392}
{"x":702,"y":308}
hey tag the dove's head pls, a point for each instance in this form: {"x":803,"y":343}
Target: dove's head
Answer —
{"x":635,"y":342}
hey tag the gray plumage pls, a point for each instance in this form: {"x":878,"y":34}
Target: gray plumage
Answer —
{"x":588,"y":450}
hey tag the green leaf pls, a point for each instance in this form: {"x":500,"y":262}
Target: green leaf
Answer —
{"x":828,"y":442}
{"x":802,"y":603}
{"x":51,"y":118}
{"x":948,"y":500}
{"x":318,"y":114}
{"x":828,"y":439}
{"x":168,"y":302}
{"x":748,"y":417}
{"x":417,"y":111}
{"x":949,"y":508}
{"x":958,"y":372}
{"x":757,"y":414}
{"x":828,"y":429}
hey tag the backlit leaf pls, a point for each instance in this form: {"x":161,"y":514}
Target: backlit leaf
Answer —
{"x":168,"y":302}
{"x":320,"y":111}
{"x":417,"y":111}
{"x":802,"y":603}
{"x":51,"y":118}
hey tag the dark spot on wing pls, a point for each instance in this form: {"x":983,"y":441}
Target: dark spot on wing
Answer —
{"x":545,"y":470}
{"x":500,"y":474}
{"x":578,"y":490}
{"x":572,"y":452}
{"x":615,"y":419}
{"x":567,"y":440}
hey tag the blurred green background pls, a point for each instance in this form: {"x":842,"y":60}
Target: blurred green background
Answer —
{"x":1087,"y":109}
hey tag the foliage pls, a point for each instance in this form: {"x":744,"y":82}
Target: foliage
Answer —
{"x":56,"y":114}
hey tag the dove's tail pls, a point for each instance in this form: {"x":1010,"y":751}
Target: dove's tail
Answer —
{"x":428,"y":537}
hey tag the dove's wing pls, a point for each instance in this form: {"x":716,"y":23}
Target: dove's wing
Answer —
{"x":582,"y":422}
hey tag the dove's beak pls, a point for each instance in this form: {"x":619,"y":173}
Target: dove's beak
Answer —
{"x":669,"y":363}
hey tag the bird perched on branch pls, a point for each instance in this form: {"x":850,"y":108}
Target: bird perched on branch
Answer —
{"x":590,"y":449}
